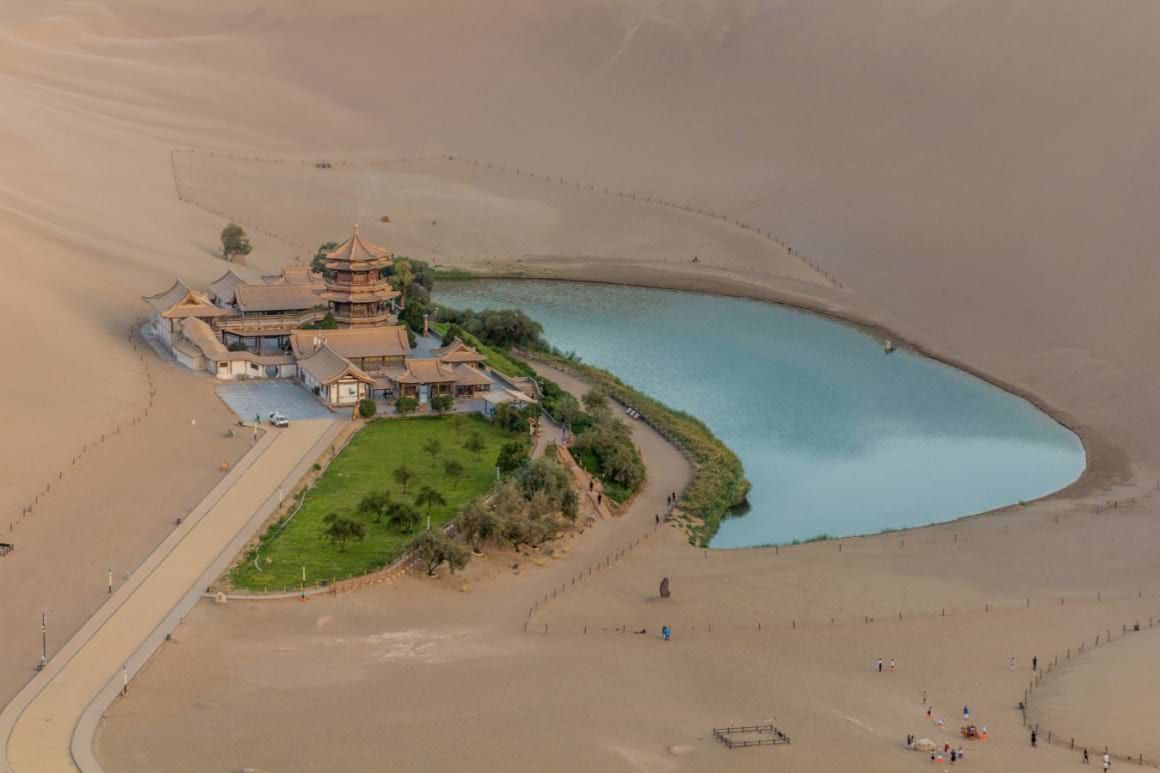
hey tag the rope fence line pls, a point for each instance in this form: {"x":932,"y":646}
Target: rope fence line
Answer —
{"x":604,"y":563}
{"x":1069,"y":742}
{"x":145,"y":384}
{"x":184,"y":196}
{"x":758,"y":626}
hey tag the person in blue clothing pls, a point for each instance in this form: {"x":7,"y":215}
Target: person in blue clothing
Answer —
{"x":665,"y":631}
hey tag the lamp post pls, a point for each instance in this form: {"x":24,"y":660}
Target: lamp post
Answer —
{"x":110,"y":581}
{"x":43,"y":642}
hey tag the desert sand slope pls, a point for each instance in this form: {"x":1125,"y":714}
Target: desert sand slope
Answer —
{"x":978,"y":175}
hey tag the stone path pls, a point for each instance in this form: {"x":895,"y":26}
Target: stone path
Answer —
{"x":50,"y":724}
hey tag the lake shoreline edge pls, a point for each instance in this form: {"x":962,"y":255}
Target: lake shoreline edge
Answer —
{"x":1105,"y":463}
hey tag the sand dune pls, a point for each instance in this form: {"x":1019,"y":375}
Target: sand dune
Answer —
{"x":978,"y":177}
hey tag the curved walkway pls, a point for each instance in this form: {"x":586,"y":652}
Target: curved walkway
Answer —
{"x":50,"y":724}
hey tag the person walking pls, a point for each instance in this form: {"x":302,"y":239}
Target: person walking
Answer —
{"x":880,"y":665}
{"x":666,"y":632}
{"x":658,"y":519}
{"x":1034,"y":739}
{"x":1012,"y":662}
{"x":892,"y":665}
{"x":1107,"y":761}
{"x":1086,"y":761}
{"x":966,"y":713}
{"x":1035,"y":663}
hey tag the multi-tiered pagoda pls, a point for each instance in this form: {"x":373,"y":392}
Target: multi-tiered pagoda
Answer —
{"x":356,"y":291}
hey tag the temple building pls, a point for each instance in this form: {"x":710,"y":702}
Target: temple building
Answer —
{"x":245,"y":330}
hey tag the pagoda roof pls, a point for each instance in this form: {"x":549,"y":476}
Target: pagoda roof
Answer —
{"x":179,"y":302}
{"x":358,"y":250}
{"x":328,"y":366}
{"x":284,"y":297}
{"x":388,"y":341}
{"x":341,"y":294}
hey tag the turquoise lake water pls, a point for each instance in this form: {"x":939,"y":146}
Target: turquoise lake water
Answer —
{"x":836,"y":436}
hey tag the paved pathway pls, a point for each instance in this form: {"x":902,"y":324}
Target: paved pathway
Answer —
{"x":66,"y":699}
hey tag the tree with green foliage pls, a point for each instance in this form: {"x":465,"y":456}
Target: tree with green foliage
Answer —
{"x":535,"y":476}
{"x":477,"y":525}
{"x":402,"y":276}
{"x":406,"y":405}
{"x":434,"y":547}
{"x":340,"y":530}
{"x":318,"y":262}
{"x":374,"y":505}
{"x":442,"y":403}
{"x":430,"y":499}
{"x":433,"y":447}
{"x":367,"y":408}
{"x":595,"y":402}
{"x":401,"y":516}
{"x":404,"y":475}
{"x":454,"y":469}
{"x":235,"y":242}
{"x":474,"y":444}
{"x":511,"y":456}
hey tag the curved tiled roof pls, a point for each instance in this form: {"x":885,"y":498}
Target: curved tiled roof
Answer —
{"x":285,"y":297}
{"x":389,"y":341}
{"x":424,"y":371}
{"x":358,"y":249}
{"x":327,"y":366}
{"x":224,"y":286}
{"x":457,"y":351}
{"x":179,"y":302}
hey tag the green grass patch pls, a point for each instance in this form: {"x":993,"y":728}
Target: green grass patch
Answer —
{"x":718,"y":483}
{"x":366,"y":465}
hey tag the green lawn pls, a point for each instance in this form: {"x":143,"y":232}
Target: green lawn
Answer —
{"x":366,"y":465}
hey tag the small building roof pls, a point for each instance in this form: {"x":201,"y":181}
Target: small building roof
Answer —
{"x":358,"y":249}
{"x":223,"y":288}
{"x":285,"y":297}
{"x":468,"y":376}
{"x":497,"y":396}
{"x":389,"y":341}
{"x":294,"y":275}
{"x":457,"y":351}
{"x":423,"y":371}
{"x":327,"y":366}
{"x":179,"y":302}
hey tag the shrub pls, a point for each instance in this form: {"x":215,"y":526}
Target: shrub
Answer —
{"x":367,"y":408}
{"x":405,"y":405}
{"x":511,"y":456}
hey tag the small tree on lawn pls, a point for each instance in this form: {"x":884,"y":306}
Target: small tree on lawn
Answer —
{"x":433,"y":447}
{"x":404,"y":475}
{"x":477,"y":524}
{"x":340,"y":530}
{"x":453,"y":468}
{"x":430,"y":499}
{"x":235,"y":241}
{"x":434,"y":547}
{"x":405,"y":405}
{"x":442,"y":403}
{"x":402,"y":516}
{"x":511,"y":456}
{"x":474,"y":444}
{"x":367,"y":408}
{"x":374,"y":505}
{"x":595,"y":401}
